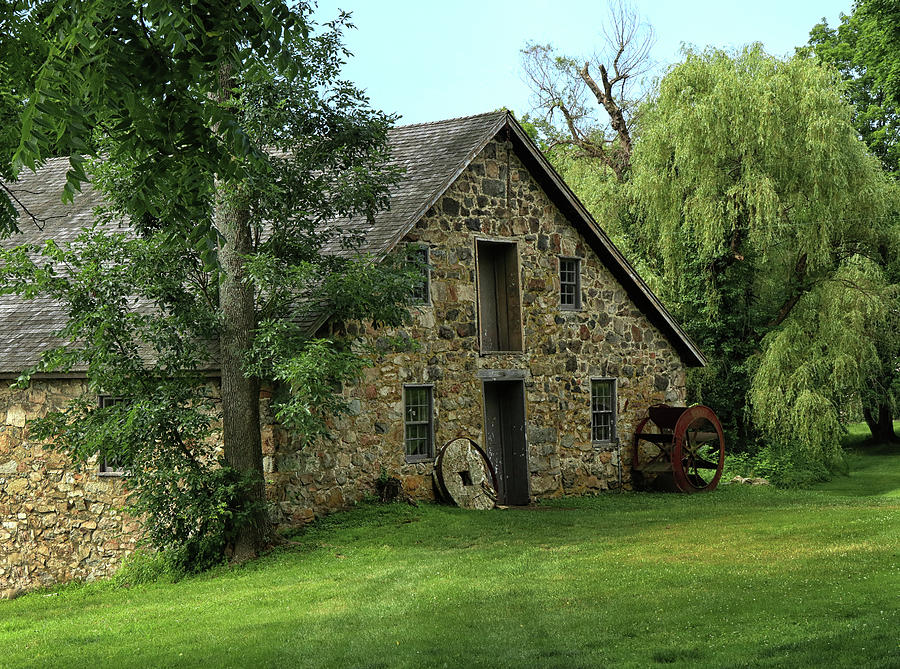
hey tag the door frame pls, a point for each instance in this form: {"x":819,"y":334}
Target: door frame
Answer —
{"x":490,"y":376}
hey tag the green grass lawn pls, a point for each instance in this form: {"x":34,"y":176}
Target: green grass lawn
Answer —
{"x":744,"y":576}
{"x":873,"y":467}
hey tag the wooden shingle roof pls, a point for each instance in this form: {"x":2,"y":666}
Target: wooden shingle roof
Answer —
{"x":432,"y":156}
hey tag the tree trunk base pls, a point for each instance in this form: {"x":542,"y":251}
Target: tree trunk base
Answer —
{"x":881,"y":425}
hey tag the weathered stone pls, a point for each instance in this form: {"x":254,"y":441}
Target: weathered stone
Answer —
{"x":450,"y":206}
{"x":16,"y":486}
{"x":540,"y":435}
{"x":493,"y":187}
{"x":15,"y":415}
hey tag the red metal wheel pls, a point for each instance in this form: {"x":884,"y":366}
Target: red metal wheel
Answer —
{"x":699,"y":452}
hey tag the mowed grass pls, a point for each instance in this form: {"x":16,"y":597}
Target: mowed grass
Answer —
{"x":873,"y":467}
{"x":745,"y":576}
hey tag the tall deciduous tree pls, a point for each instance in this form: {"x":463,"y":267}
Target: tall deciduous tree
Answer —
{"x":769,"y":220}
{"x":567,"y":90}
{"x":865,"y":49}
{"x":230,"y":142}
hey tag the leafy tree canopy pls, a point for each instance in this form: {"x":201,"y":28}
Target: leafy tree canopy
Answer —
{"x":865,"y":48}
{"x":771,"y":224}
{"x":248,"y":171}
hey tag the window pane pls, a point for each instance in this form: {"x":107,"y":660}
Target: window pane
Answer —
{"x":603,"y":407}
{"x":417,"y":422}
{"x":569,"y":282}
{"x":416,"y":405}
{"x":602,"y":427}
{"x":601,"y":395}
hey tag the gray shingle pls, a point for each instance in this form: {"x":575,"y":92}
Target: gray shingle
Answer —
{"x":432,"y":156}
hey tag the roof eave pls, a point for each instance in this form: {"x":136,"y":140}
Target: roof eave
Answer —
{"x":625,"y":273}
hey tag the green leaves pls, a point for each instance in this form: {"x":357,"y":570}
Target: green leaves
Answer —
{"x":825,"y":356}
{"x":196,"y":114}
{"x":144,"y":80}
{"x":864,"y":48}
{"x":768,"y":220}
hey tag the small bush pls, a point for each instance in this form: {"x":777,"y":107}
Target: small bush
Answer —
{"x":145,"y":566}
{"x":780,"y":467}
{"x":193,"y":514}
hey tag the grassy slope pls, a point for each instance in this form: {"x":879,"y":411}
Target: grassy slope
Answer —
{"x":873,"y":467}
{"x":741,"y":577}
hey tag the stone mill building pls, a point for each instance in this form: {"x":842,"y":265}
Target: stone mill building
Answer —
{"x":535,"y":338}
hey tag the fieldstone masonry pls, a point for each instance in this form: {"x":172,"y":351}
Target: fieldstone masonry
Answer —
{"x":58,"y":524}
{"x":494,"y":198}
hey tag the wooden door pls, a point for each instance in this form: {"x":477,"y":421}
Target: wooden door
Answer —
{"x":504,"y":431}
{"x":499,"y":308}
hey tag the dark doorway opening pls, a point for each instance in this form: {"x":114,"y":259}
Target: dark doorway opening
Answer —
{"x":504,"y":431}
{"x":500,"y":316}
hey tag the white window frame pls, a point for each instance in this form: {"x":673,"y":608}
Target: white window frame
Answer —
{"x":577,"y":305}
{"x":418,"y":457}
{"x":613,"y":436}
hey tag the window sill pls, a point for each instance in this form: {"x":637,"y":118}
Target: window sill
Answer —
{"x":570,"y":308}
{"x":605,"y":444}
{"x":418,"y":459}
{"x":112,"y":475}
{"x":502,"y":352}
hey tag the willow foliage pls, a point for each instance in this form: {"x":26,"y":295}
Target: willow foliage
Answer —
{"x":769,"y":223}
{"x":824,"y":355}
{"x":750,"y":151}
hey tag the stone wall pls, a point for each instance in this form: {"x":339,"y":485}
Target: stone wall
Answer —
{"x":59,"y":524}
{"x":56,"y":523}
{"x":495,"y":197}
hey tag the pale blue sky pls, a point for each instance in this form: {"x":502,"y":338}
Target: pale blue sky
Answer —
{"x":434,"y":59}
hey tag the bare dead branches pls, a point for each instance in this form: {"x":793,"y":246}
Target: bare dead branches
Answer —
{"x":38,"y":222}
{"x":560,"y":87}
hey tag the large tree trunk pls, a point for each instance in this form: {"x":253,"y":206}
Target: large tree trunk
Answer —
{"x":240,"y":393}
{"x":881,"y":424}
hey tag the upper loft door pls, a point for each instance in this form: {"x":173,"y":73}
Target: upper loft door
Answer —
{"x":499,"y":303}
{"x":504,"y":431}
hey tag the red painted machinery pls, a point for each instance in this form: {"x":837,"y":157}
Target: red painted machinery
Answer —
{"x":684,"y":445}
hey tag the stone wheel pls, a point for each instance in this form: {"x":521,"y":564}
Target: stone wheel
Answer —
{"x":699,"y":450}
{"x":465,"y":476}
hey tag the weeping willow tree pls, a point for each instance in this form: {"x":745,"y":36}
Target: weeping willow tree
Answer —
{"x":771,"y":227}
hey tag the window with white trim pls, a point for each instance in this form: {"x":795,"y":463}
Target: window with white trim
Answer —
{"x":603,"y":410}
{"x":570,"y":283}
{"x":418,"y":422}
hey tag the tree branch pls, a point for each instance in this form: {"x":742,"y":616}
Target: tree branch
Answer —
{"x":801,"y":288}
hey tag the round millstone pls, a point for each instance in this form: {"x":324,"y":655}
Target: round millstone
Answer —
{"x":465,"y":476}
